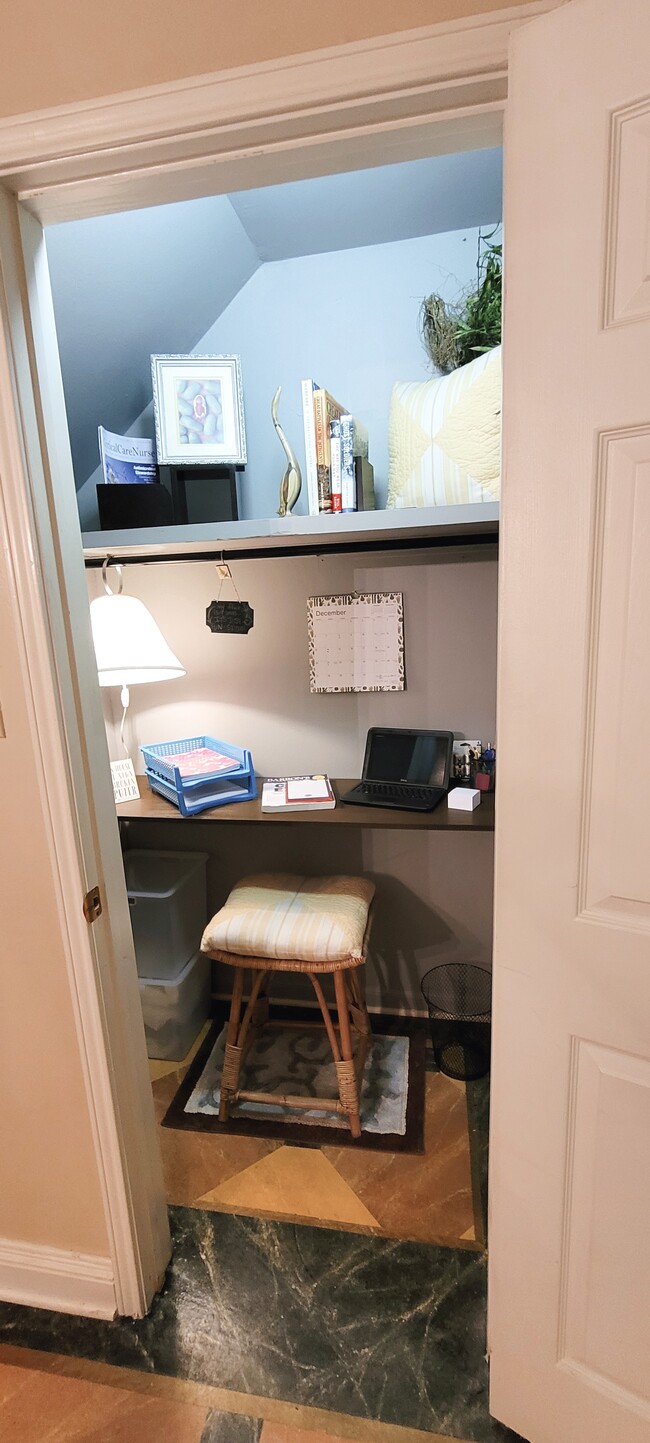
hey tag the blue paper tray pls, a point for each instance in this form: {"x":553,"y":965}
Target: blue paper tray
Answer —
{"x":210,"y":789}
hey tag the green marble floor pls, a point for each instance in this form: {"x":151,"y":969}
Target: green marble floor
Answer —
{"x":357,"y":1325}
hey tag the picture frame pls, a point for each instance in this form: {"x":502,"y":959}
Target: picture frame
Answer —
{"x":198,"y":409}
{"x":465,"y":760}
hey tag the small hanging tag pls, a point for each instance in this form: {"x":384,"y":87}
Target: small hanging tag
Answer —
{"x":233,"y":617}
{"x":229,"y":616}
{"x":125,"y":786}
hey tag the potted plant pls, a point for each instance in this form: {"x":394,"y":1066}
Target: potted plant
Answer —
{"x":454,"y":333}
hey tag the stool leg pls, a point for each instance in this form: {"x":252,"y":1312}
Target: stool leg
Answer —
{"x":320,"y":995}
{"x":358,"y":1009}
{"x":232,"y":1056}
{"x":257,"y":1010}
{"x":345,"y":1069}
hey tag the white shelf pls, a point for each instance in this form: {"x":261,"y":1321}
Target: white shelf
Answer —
{"x":300,"y":533}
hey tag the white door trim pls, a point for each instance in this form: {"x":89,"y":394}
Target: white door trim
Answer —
{"x":440,"y":87}
{"x":109,"y":1049}
{"x":283,"y":119}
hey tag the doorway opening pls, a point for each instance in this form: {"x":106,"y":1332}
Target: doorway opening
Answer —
{"x":457,"y":581}
{"x":322,"y":278}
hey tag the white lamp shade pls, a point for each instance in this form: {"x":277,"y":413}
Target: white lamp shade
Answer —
{"x":129,"y":645}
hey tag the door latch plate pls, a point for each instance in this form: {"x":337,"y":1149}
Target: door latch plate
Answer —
{"x":92,"y":905}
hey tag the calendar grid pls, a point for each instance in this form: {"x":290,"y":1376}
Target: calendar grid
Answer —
{"x":356,"y":642}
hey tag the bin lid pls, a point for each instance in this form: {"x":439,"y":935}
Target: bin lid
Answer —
{"x":171,"y":984}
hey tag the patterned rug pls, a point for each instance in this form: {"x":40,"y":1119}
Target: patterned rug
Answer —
{"x":298,"y":1060}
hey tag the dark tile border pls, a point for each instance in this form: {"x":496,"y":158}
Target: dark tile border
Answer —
{"x":223,"y":1427}
{"x":304,"y":1134}
{"x":478,"y":1120}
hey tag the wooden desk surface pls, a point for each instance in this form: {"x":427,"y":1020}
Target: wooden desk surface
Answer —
{"x":151,"y":807}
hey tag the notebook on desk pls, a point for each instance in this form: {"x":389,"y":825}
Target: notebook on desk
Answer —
{"x":404,"y":768}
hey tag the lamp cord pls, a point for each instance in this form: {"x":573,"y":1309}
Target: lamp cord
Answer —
{"x":124,"y":698}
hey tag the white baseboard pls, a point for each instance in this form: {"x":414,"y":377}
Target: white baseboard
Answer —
{"x":42,"y":1277}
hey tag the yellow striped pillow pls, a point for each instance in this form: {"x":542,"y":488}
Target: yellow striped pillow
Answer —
{"x":444,"y":437}
{"x":320,"y":920}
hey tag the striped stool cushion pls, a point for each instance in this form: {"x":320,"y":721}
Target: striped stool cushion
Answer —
{"x":317,"y":921}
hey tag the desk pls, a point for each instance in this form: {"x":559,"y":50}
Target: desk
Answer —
{"x":152,"y":807}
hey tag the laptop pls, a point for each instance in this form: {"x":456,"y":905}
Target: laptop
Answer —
{"x":404,"y":768}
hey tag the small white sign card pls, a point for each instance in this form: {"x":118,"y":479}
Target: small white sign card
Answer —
{"x":356,"y":642}
{"x":125,"y":786}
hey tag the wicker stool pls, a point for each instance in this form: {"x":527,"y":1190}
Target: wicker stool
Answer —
{"x":282,"y":923}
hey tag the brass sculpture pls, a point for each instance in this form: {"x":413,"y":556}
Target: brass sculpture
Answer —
{"x":291,"y":483}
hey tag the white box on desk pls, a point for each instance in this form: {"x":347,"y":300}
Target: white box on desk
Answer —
{"x":463,"y":799}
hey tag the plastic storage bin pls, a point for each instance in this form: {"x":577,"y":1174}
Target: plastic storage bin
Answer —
{"x":459,"y":999}
{"x":195,"y":791}
{"x":168,"y":905}
{"x":174,"y":1010}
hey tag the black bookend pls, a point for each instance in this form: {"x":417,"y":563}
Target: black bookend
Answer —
{"x":364,"y":477}
{"x":126,"y":506}
{"x":201,"y":493}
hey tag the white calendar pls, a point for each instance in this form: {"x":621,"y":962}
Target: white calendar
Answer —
{"x":356,"y":642}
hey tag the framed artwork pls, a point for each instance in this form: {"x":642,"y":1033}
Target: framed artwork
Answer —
{"x":199,"y":409}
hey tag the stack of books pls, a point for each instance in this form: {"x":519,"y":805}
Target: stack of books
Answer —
{"x":297,"y":794}
{"x":339,"y":474}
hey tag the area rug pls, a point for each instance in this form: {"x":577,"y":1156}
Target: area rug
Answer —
{"x":297,"y":1059}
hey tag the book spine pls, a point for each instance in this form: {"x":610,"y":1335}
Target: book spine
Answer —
{"x":309,"y":426}
{"x":322,"y":451}
{"x":335,"y":465}
{"x":348,"y":480}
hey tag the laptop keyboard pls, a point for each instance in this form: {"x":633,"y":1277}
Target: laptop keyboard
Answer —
{"x":396,"y":791}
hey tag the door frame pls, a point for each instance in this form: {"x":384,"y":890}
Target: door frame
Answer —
{"x":422,"y":92}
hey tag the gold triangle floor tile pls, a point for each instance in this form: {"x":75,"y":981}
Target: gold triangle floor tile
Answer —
{"x":296,"y":1181}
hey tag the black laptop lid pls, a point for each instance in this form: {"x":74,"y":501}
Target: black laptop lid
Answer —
{"x":422,"y":758}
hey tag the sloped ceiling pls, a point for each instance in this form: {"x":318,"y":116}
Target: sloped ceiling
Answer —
{"x":393,"y":202}
{"x":126,"y":286}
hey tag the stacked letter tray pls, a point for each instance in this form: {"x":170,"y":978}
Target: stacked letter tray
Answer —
{"x":200,"y":772}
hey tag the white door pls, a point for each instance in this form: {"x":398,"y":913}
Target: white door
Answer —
{"x":44,"y":542}
{"x":569,"y":1278}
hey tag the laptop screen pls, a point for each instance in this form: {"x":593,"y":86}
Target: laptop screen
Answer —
{"x":407,"y":756}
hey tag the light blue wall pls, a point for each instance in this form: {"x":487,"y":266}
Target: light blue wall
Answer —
{"x":349,"y":319}
{"x":125,"y":286}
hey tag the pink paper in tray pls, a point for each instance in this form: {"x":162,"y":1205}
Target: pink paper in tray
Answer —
{"x":200,"y":762}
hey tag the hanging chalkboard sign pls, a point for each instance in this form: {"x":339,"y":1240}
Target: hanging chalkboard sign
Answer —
{"x":234,"y":617}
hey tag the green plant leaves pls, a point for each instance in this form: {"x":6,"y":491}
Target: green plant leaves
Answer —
{"x":452,"y":335}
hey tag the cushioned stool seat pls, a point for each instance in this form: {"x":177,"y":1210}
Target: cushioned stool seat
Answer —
{"x":279,"y":922}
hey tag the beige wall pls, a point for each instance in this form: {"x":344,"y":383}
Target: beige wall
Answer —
{"x":49,"y":1192}
{"x":57,"y":51}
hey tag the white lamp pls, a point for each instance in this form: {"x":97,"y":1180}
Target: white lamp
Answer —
{"x":129,"y":645}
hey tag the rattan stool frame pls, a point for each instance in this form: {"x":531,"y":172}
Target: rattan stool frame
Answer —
{"x":349,"y":1048}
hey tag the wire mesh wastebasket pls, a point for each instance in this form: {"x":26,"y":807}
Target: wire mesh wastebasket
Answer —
{"x":459,"y":998}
